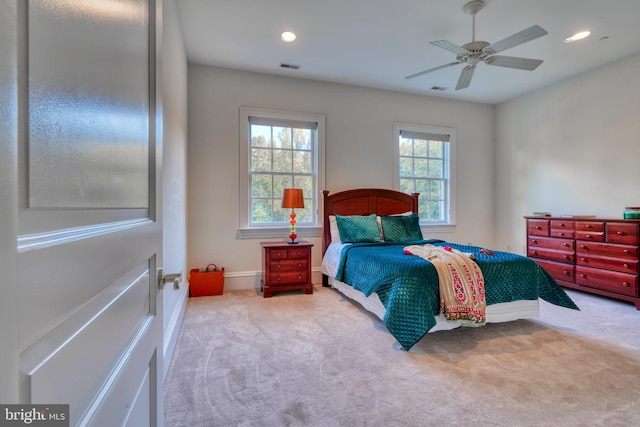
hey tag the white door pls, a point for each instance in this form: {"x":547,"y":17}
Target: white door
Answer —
{"x":86,"y":313}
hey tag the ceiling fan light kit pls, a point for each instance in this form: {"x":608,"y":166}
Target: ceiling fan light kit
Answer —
{"x":475,"y":52}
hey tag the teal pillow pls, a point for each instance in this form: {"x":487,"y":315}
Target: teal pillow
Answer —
{"x":358,"y":229}
{"x":401,"y":228}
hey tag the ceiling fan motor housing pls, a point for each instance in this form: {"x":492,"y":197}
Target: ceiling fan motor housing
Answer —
{"x":473,"y":7}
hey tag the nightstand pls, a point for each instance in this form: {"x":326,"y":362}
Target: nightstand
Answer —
{"x":286,"y":266}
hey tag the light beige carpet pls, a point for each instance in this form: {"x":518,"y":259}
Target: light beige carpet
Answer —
{"x":320,"y":360}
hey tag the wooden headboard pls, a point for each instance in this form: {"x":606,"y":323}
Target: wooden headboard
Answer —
{"x":364,"y":201}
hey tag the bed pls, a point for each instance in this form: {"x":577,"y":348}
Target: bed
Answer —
{"x":403,"y":290}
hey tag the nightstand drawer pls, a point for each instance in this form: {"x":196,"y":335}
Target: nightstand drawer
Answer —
{"x":288,"y":278}
{"x":289,"y":265}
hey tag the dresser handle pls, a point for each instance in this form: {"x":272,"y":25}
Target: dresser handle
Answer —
{"x":566,"y":273}
{"x":588,"y":236}
{"x":300,"y":265}
{"x":619,"y":233}
{"x":625,"y":265}
{"x":538,"y":227}
{"x":626,"y":251}
{"x":583,"y":247}
{"x":582,"y":275}
{"x":583,"y":259}
{"x":534,"y":241}
{"x":566,"y":256}
{"x":561,"y":234}
{"x":587,"y":226}
{"x":625,"y":284}
{"x":566,"y":245}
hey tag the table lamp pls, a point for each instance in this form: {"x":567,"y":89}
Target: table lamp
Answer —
{"x":292,"y":198}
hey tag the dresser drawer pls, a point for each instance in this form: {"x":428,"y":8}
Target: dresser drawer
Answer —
{"x":551,"y":254}
{"x":620,"y":283}
{"x":549,"y":243}
{"x":538,"y":227}
{"x":622,"y":233}
{"x":288,"y":265}
{"x":590,"y":226}
{"x":593,"y":236}
{"x":565,"y":234}
{"x":560,"y":224}
{"x":606,"y":250}
{"x":616,"y":264}
{"x":558,"y":270}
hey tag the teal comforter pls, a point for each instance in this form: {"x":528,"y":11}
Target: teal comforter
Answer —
{"x":408,"y":285}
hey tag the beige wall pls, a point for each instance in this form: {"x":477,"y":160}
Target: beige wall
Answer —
{"x":571,"y":148}
{"x":359,"y":153}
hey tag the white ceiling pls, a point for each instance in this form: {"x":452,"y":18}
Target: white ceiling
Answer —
{"x":376,"y":43}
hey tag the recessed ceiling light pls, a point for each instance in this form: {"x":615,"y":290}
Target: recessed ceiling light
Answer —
{"x":577,"y":36}
{"x":287,"y":36}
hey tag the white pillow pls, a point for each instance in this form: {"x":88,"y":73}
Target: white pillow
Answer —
{"x":333,"y":229}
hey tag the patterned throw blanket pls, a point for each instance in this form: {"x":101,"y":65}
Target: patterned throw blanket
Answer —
{"x":408,"y":285}
{"x":461,"y":283}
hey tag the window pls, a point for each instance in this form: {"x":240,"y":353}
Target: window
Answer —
{"x":279,"y":150}
{"x":424,"y":162}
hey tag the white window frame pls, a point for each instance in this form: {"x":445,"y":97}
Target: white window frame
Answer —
{"x":450,"y":216}
{"x":245,"y":229}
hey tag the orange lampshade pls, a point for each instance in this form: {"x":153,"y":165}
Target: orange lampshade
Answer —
{"x":292,"y":198}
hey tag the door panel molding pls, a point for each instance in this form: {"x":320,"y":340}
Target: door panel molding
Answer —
{"x":87,"y":351}
{"x":59,"y":237}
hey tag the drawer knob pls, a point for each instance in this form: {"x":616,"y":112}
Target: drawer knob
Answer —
{"x":588,"y":236}
{"x":626,"y":284}
{"x":535,"y":241}
{"x":583,"y":247}
{"x":562,"y":234}
{"x":566,"y":256}
{"x":582,"y":275}
{"x":619,"y":233}
{"x":587,"y":226}
{"x":625,"y":265}
{"x":538,"y":227}
{"x":300,"y":265}
{"x":566,"y":273}
{"x":566,"y":245}
{"x":583,"y":259}
{"x":626,"y":251}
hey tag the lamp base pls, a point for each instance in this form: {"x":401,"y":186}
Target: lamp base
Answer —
{"x":293,"y":242}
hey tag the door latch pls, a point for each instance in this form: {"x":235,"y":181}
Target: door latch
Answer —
{"x":164,"y":278}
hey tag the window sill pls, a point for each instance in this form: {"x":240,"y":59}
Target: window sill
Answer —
{"x":272,"y":233}
{"x":438,"y":228}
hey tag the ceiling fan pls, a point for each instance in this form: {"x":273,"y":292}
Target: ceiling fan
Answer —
{"x":475,"y":51}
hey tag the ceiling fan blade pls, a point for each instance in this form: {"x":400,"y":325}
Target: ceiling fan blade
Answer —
{"x":465,"y":77}
{"x":432,"y":69}
{"x":451,"y":47}
{"x":523,"y":36}
{"x":513,"y":62}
